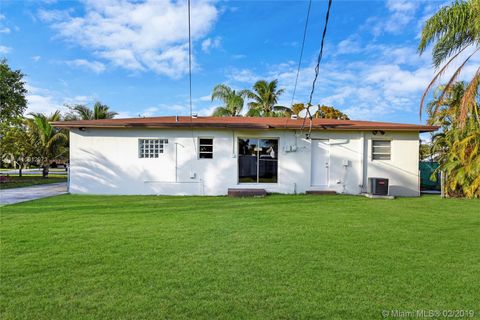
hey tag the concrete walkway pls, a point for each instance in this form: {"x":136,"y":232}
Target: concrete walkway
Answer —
{"x":16,"y":195}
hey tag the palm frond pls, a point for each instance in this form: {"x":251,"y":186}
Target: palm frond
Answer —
{"x":468,"y":102}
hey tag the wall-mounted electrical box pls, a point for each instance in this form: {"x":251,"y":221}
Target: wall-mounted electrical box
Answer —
{"x":346,"y":163}
{"x":290,"y":148}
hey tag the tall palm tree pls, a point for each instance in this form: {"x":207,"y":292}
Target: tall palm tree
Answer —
{"x":82,"y":112}
{"x":49,"y":142}
{"x":453,"y":29}
{"x":265,"y":98}
{"x":232,"y":101}
{"x":456,"y":149}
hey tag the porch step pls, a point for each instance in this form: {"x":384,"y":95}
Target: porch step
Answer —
{"x":247,"y":193}
{"x":321,"y":192}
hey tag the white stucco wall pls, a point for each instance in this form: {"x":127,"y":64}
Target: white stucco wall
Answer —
{"x":105,"y":161}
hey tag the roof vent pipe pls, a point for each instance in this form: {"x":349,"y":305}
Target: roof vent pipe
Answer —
{"x":176,"y":118}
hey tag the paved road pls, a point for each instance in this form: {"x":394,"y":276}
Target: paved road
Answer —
{"x":15,"y":195}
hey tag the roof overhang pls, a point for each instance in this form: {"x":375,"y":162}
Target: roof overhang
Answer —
{"x":248,"y":123}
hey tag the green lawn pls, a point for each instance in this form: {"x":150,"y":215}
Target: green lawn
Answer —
{"x":27,"y":180}
{"x":279,"y":257}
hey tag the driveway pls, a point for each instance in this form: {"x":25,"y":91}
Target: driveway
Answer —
{"x":16,"y":195}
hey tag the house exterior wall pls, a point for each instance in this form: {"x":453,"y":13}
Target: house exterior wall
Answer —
{"x":106,"y":161}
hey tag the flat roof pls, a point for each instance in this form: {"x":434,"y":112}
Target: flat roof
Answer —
{"x":260,"y":123}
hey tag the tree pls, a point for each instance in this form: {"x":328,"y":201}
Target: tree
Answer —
{"x":324,"y":112}
{"x":12,"y":95}
{"x":425,"y":151}
{"x":453,"y":29}
{"x":49,"y":143}
{"x":232,"y":101}
{"x":17,"y":145}
{"x":82,"y":112}
{"x":265,"y":98}
{"x":456,"y":146}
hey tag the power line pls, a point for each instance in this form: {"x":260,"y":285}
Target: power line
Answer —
{"x":317,"y":67}
{"x":190,"y":59}
{"x":301,"y":51}
{"x":190,"y":76}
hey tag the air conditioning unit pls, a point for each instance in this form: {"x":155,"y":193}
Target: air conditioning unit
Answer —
{"x":378,"y":186}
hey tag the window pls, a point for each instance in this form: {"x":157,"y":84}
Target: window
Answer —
{"x":257,"y":160}
{"x":381,"y":150}
{"x":205,"y":147}
{"x":150,"y":148}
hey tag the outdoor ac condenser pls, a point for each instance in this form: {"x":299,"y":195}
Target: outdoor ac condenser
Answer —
{"x":378,"y":186}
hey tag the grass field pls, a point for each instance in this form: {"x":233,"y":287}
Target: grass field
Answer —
{"x":14,"y":181}
{"x":279,"y":257}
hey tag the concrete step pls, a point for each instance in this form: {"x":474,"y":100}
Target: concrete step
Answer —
{"x":321,"y":192}
{"x":247,"y":192}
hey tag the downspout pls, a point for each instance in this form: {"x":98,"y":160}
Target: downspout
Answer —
{"x":233,"y":144}
{"x":362,"y":162}
{"x":176,"y":162}
{"x":68,"y":178}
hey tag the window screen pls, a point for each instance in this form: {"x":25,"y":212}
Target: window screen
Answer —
{"x":381,"y":150}
{"x":205,"y":147}
{"x":150,"y":148}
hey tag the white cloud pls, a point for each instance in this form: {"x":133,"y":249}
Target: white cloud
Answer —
{"x":238,"y":56}
{"x":242,"y":75}
{"x":349,"y":45}
{"x":94,"y":66}
{"x":42,"y":104}
{"x":42,"y":101}
{"x":402,"y":12}
{"x":205,"y":98}
{"x":5,"y":50}
{"x":211,"y":43}
{"x":36,"y":58}
{"x":46,"y":101}
{"x":137,"y":36}
{"x":3,"y":29}
{"x":149,"y":112}
{"x":78,"y":100}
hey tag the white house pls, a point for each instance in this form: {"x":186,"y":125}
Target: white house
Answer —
{"x":209,"y":155}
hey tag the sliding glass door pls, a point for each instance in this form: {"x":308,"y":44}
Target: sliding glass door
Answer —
{"x":257,"y":160}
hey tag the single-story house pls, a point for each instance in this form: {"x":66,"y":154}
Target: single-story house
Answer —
{"x":210,"y":155}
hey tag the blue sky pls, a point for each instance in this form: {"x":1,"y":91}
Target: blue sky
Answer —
{"x":133,"y":55}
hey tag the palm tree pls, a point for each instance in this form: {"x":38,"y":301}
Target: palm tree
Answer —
{"x":49,"y":143}
{"x":453,"y":29}
{"x":456,"y":149}
{"x":82,"y":112}
{"x":265,"y":98}
{"x":232,"y":101}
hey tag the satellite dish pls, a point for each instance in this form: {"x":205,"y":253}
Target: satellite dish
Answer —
{"x":303,"y":114}
{"x":313,"y":110}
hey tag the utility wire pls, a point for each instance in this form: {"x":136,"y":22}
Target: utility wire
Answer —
{"x":317,"y":67}
{"x":190,"y":75}
{"x":190,"y":59}
{"x":301,"y":51}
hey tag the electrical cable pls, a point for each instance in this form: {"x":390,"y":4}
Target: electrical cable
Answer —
{"x":317,"y":68}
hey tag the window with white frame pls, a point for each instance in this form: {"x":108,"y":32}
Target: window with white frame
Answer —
{"x":205,"y":148}
{"x":150,"y":148}
{"x":381,"y":150}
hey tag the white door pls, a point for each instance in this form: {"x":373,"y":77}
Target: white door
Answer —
{"x":320,"y":162}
